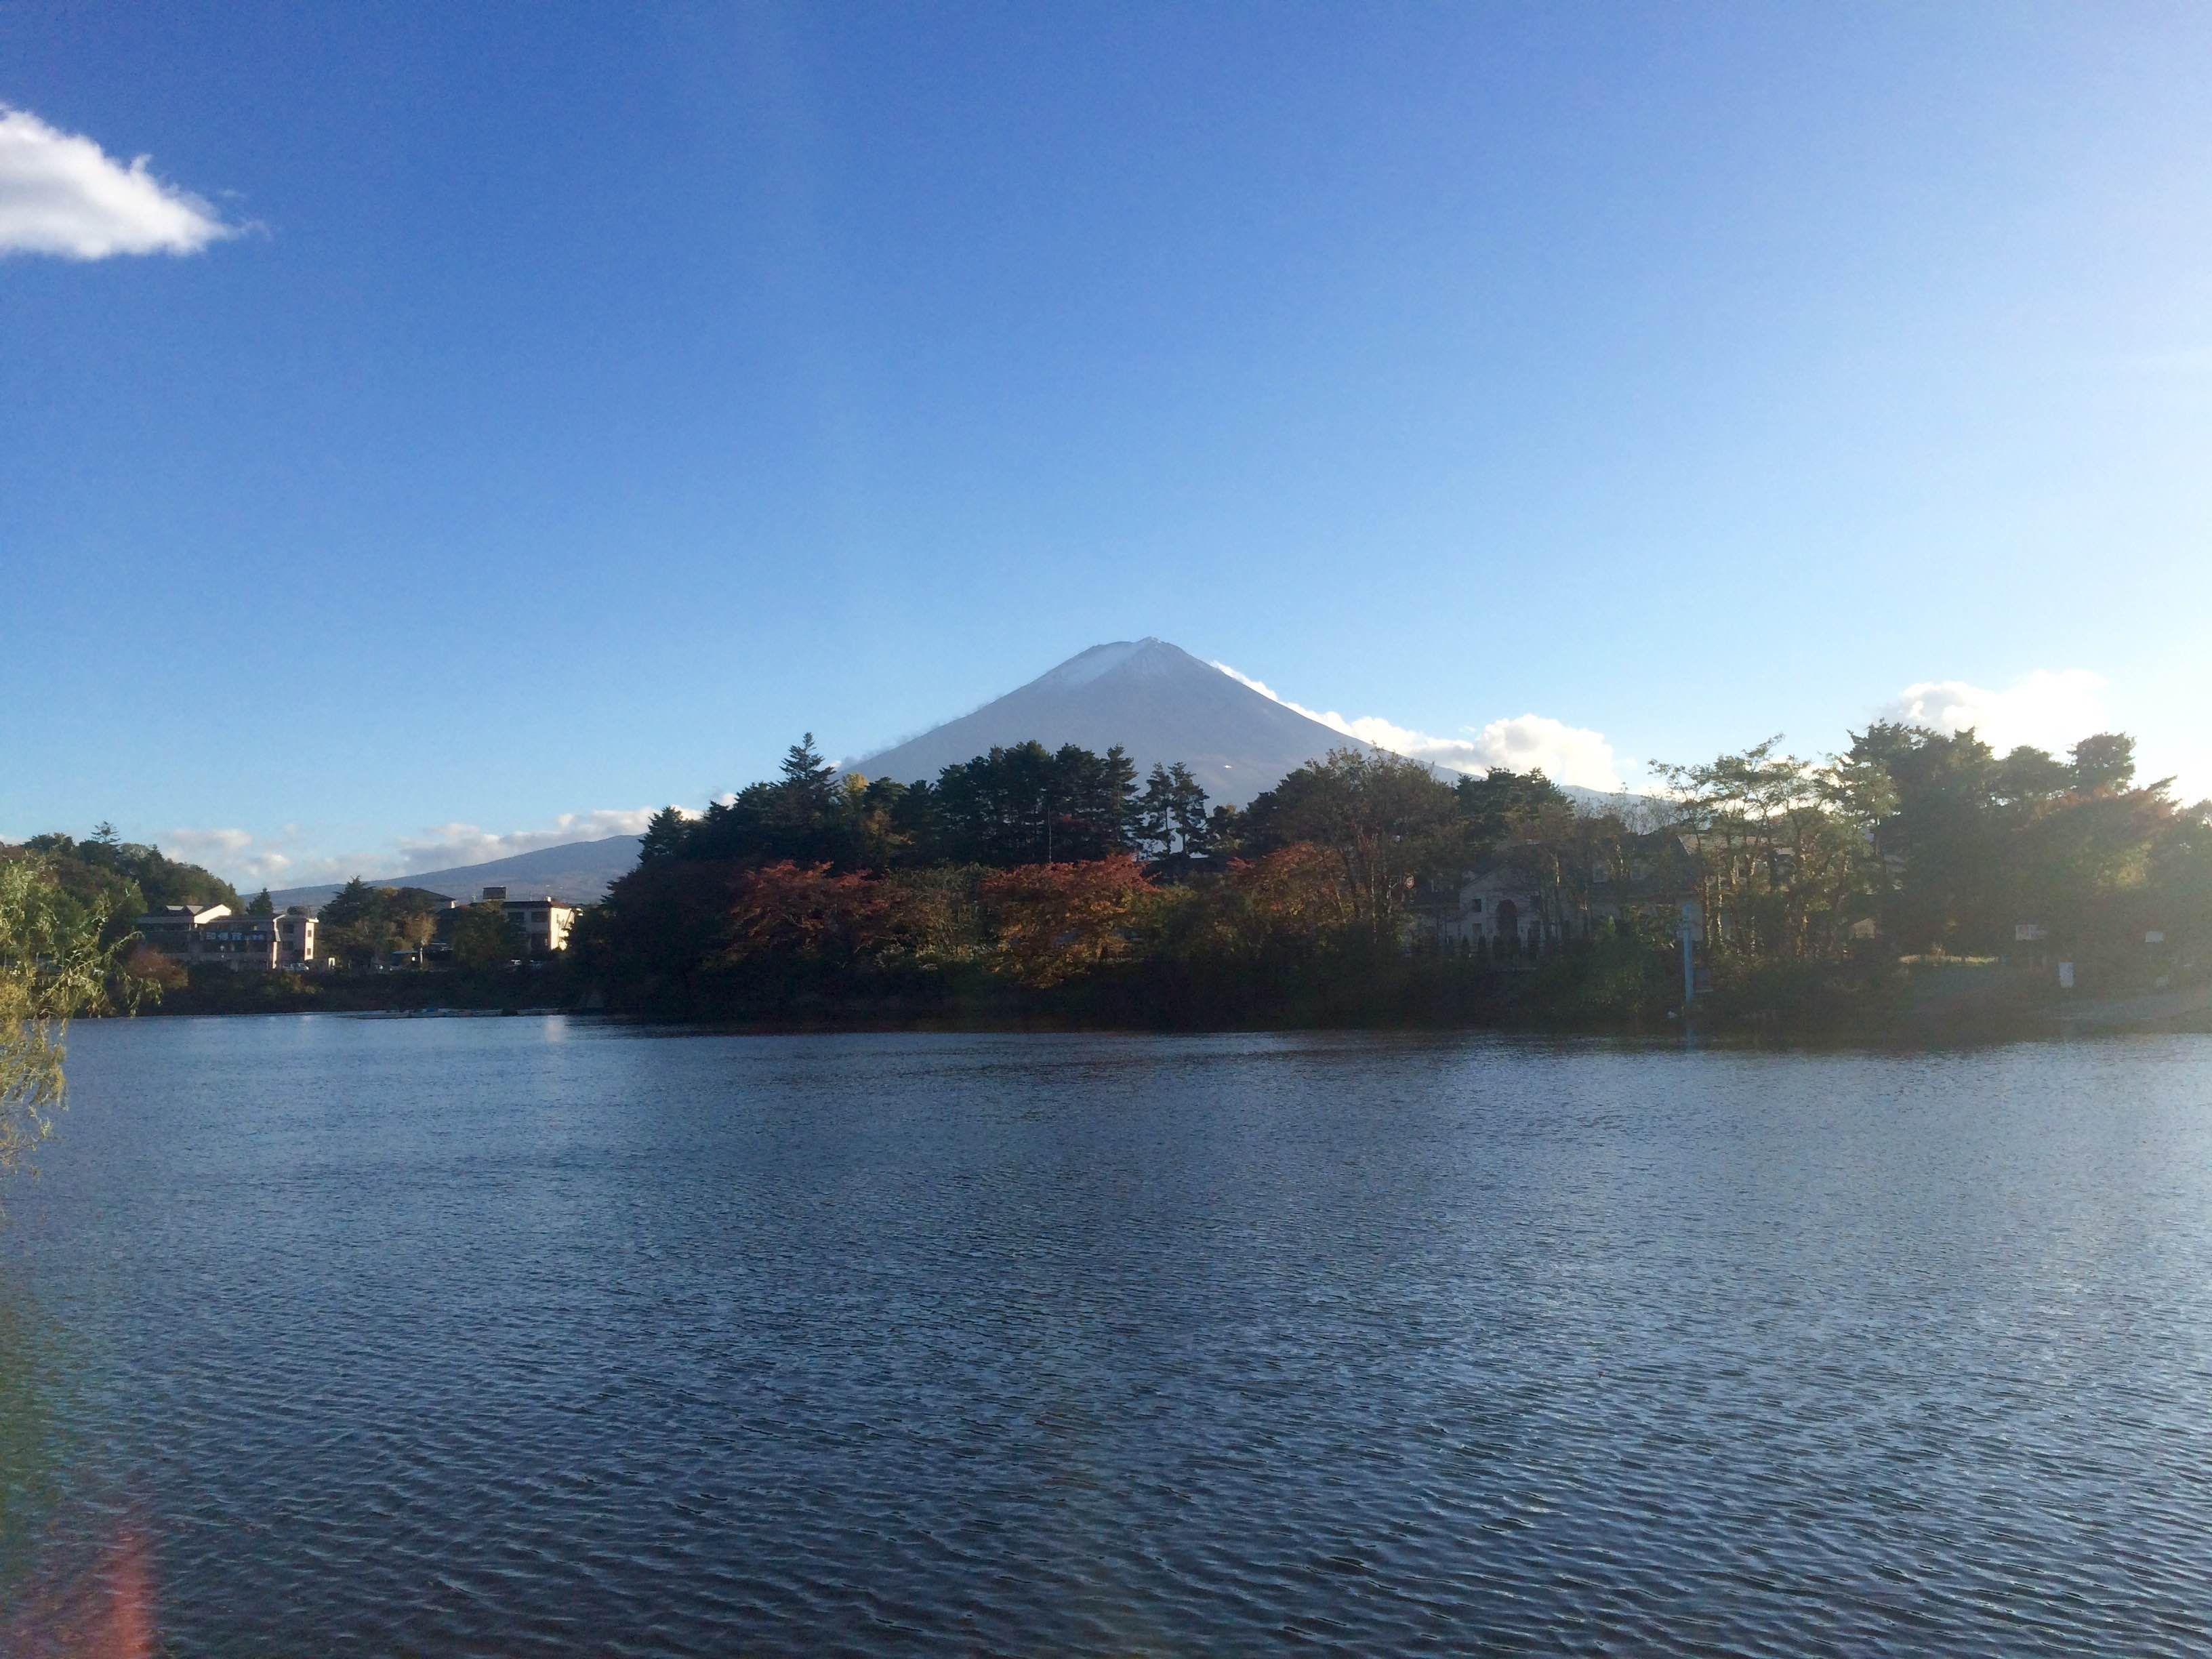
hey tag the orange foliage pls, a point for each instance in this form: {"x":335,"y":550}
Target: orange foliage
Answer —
{"x":787,"y":910}
{"x":153,"y":971}
{"x":1055,"y":921}
{"x":1296,"y":894}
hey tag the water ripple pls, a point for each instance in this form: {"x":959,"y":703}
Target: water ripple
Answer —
{"x":544,"y":1338}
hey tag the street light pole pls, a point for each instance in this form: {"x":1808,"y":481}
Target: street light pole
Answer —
{"x":1693,"y":920}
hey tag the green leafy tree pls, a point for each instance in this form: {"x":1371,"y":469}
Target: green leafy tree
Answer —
{"x":1385,"y":819}
{"x":1945,"y":843}
{"x":485,"y":936}
{"x":134,"y":877}
{"x":2106,"y":760}
{"x":414,"y":929}
{"x":2028,"y":779}
{"x":1503,"y":806}
{"x":355,"y":924}
{"x":54,"y":965}
{"x":1781,"y":866}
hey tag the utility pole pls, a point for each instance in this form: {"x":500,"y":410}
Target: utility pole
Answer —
{"x":1693,"y":922}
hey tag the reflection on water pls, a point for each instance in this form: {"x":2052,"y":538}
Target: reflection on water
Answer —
{"x":63,"y":1594}
{"x":34,"y":1385}
{"x":540,"y":1337}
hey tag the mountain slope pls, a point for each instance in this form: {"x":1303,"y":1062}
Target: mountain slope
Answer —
{"x":1159,"y":703}
{"x":579,"y":871}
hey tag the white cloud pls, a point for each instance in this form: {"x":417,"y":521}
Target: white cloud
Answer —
{"x":446,"y":845}
{"x":231,"y":854}
{"x":283,"y":860}
{"x":1566,"y":754}
{"x":2048,"y":709}
{"x":60,"y":193}
{"x":200,"y":843}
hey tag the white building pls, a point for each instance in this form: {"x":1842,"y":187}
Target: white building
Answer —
{"x":545,"y":920}
{"x":213,"y":933}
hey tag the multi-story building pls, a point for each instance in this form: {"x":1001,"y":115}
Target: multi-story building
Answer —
{"x":296,"y":937}
{"x":545,"y":920}
{"x":170,"y":929}
{"x":1521,"y":896}
{"x":213,"y":934}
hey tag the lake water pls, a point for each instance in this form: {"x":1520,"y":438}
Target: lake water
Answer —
{"x":541,"y":1336}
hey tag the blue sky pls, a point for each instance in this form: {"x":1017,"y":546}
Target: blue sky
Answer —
{"x":520,"y":418}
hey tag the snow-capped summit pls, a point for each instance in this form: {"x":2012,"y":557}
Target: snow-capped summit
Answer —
{"x":1156,"y":701}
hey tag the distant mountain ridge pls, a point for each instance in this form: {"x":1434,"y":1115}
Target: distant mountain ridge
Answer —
{"x":579,"y":871}
{"x":1156,"y":701}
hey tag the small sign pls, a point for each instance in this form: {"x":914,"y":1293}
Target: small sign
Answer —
{"x":2155,"y":936}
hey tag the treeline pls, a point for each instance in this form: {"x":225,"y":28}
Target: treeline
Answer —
{"x":122,"y":880}
{"x":1060,"y":882}
{"x":69,"y":939}
{"x":1936,"y":844}
{"x":362,"y":925}
{"x":1057,"y":879}
{"x":96,"y":889}
{"x":1029,"y":883}
{"x":1026,"y":805}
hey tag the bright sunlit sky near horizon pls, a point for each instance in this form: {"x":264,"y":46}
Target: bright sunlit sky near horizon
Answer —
{"x":473,"y":426}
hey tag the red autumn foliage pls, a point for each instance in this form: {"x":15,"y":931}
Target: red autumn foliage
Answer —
{"x":1294,"y":896}
{"x":802,"y":912}
{"x":1056,"y":921}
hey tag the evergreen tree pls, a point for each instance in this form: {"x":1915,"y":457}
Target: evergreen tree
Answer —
{"x":665,"y":833}
{"x":808,"y":781}
{"x":1187,"y":807}
{"x":2106,"y":760}
{"x":1151,"y":820}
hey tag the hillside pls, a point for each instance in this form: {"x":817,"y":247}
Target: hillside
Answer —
{"x":579,"y":871}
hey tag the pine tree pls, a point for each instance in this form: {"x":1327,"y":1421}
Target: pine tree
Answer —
{"x":807,"y":777}
{"x":1152,"y":820}
{"x":665,"y":833}
{"x":1186,"y":803}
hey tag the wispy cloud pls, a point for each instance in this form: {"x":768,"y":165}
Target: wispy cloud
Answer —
{"x":446,"y":845}
{"x":245,"y":858}
{"x":61,"y":194}
{"x":288,"y":857}
{"x":2048,"y":708}
{"x":1524,"y":743}
{"x":198,"y":845}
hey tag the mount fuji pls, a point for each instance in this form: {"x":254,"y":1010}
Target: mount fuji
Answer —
{"x":1159,"y":703}
{"x":1156,"y":701}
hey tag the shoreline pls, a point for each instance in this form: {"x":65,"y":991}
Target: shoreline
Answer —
{"x":1938,"y":1023}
